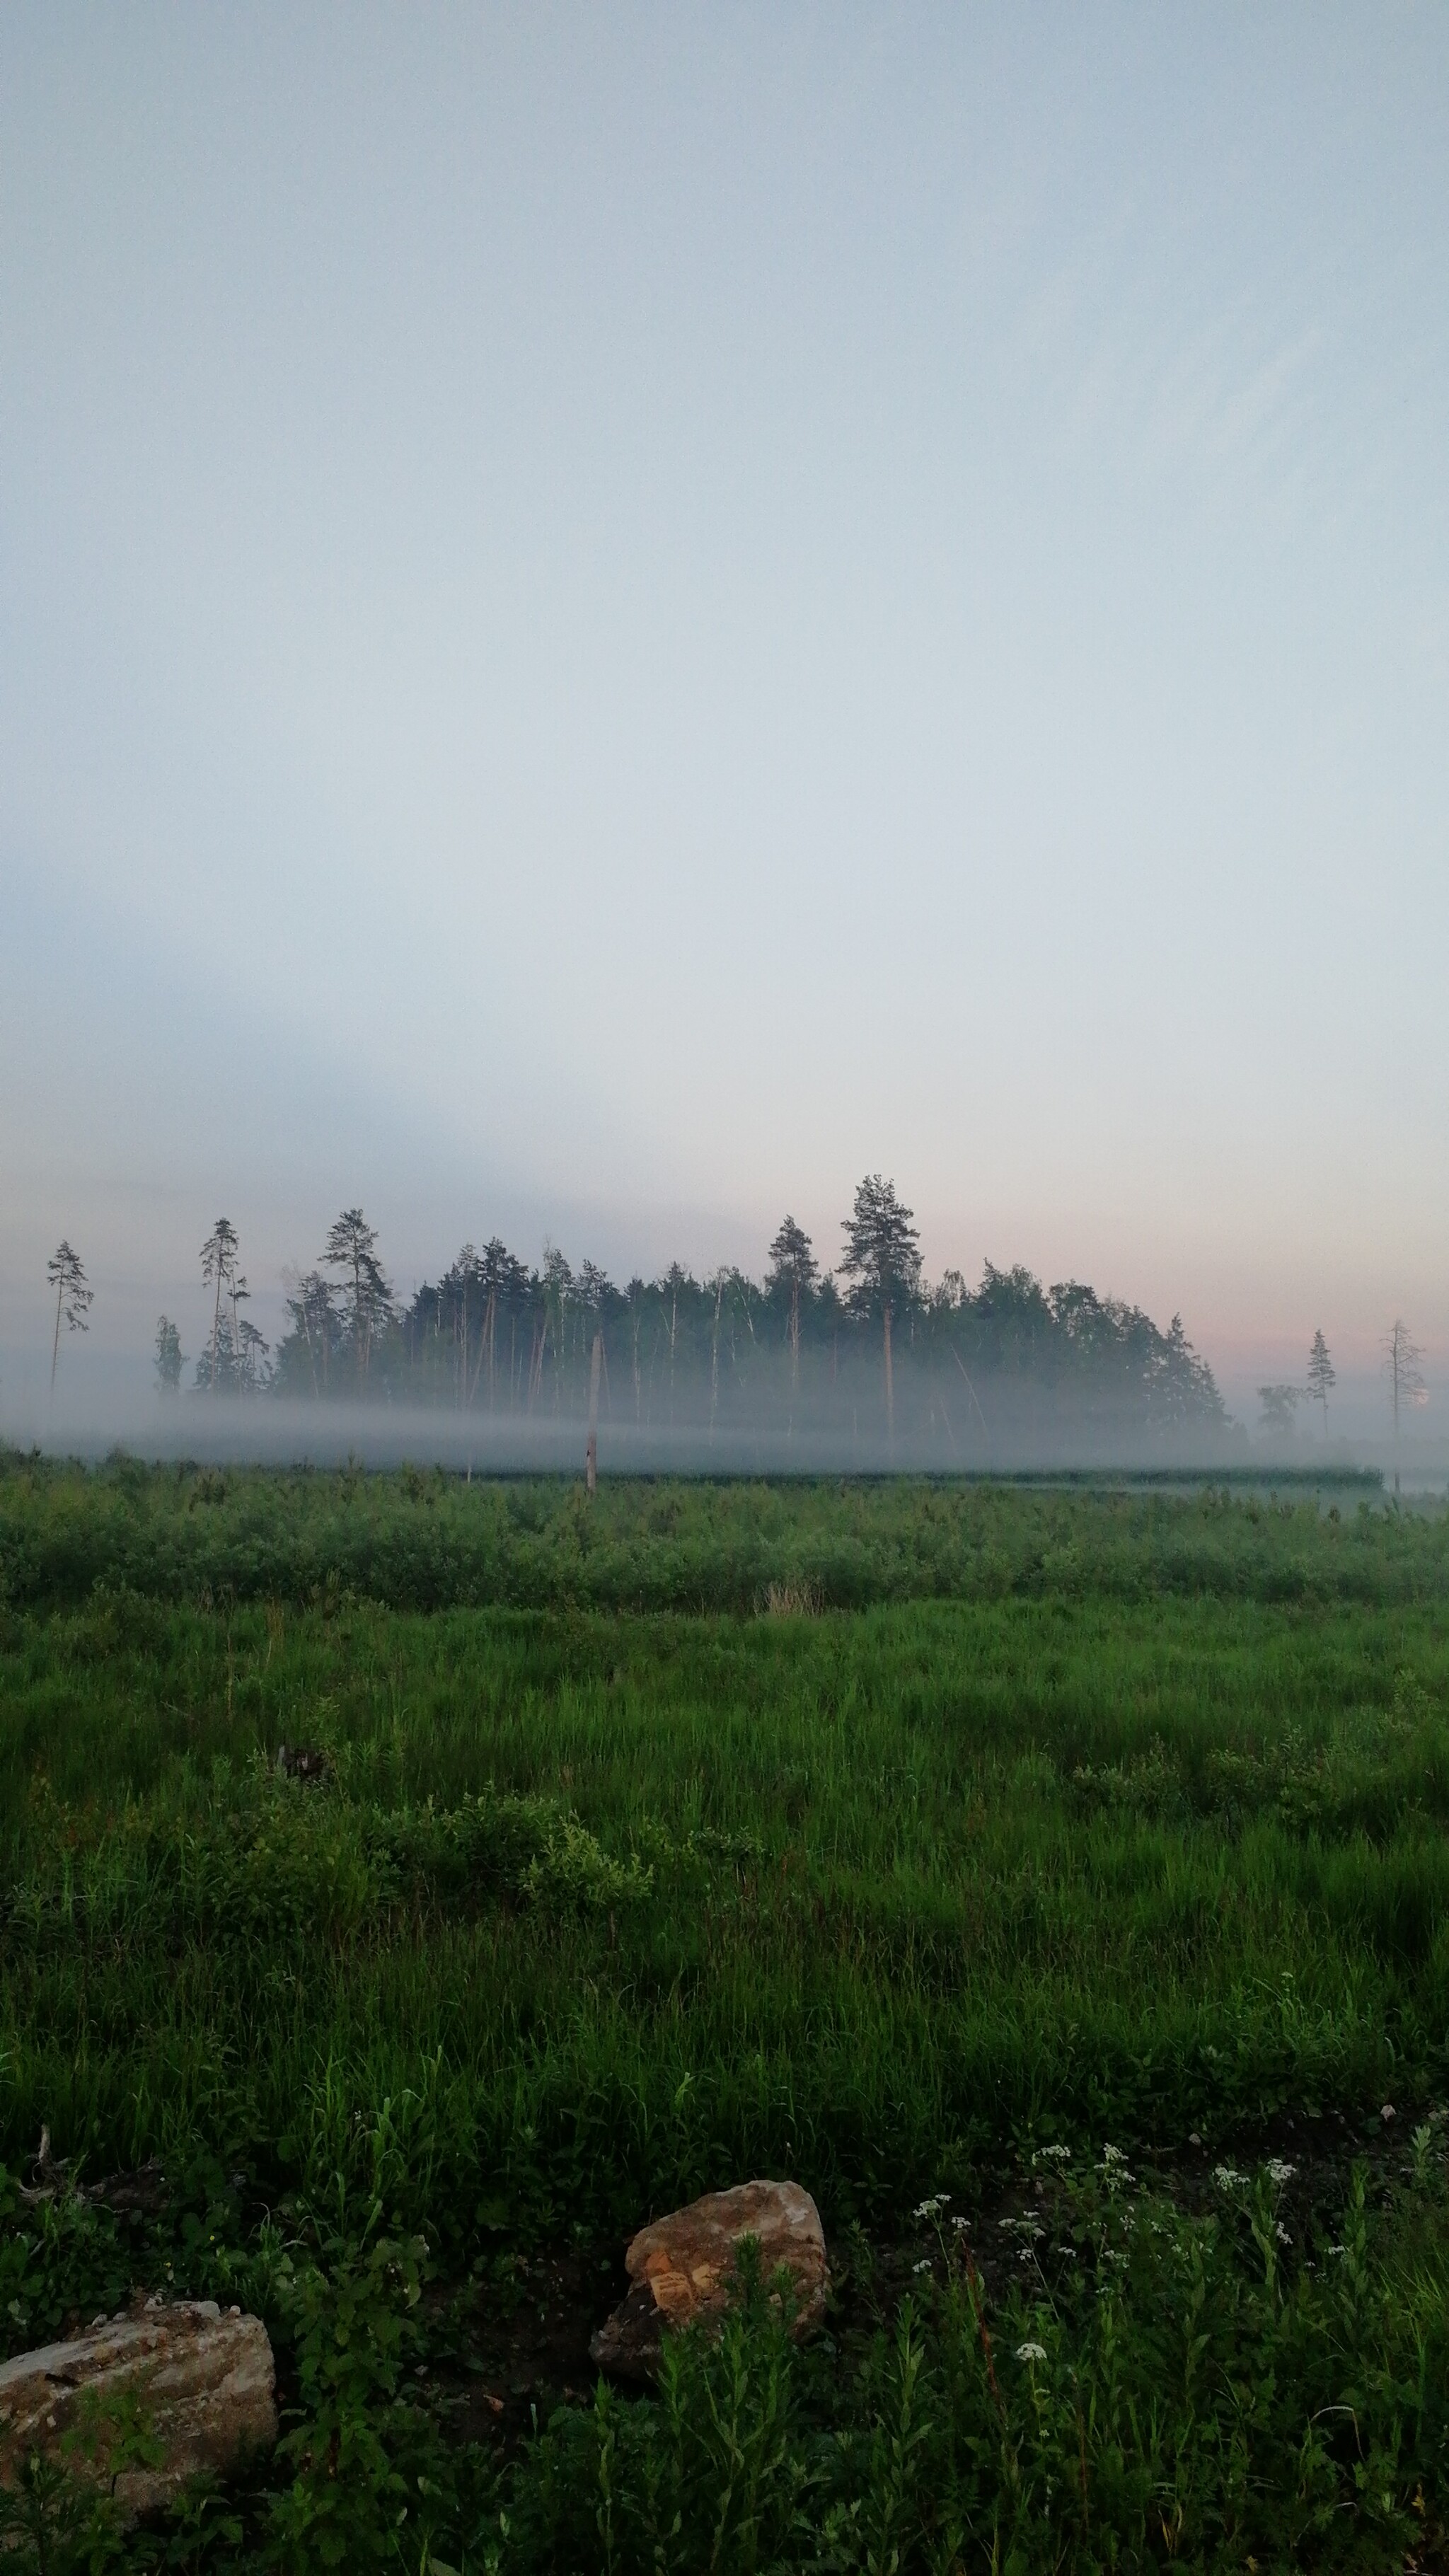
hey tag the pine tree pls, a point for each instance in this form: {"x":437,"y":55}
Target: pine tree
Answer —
{"x":882,"y":1257}
{"x":170,"y":1358}
{"x":794,"y":1274}
{"x":72,"y":1297}
{"x":218,"y":1263}
{"x":352,"y":1246}
{"x":1322,"y":1375}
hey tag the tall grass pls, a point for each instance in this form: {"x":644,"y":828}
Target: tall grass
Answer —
{"x":1099,"y":1819}
{"x":431,"y":1541}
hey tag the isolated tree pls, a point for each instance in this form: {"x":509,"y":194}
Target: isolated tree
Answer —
{"x":72,"y":1297}
{"x":352,"y":1247}
{"x":1322,"y":1375}
{"x":170,"y":1358}
{"x":1279,"y":1405}
{"x":1401,"y":1367}
{"x":883,"y":1260}
{"x":218,"y":1263}
{"x":793,"y":1275}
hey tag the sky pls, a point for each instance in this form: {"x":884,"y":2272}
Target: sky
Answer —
{"x":609,"y":619}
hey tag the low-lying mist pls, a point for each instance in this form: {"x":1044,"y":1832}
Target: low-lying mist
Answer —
{"x":282,"y":1432}
{"x":498,"y":1366}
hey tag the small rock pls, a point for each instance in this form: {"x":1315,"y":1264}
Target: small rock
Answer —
{"x":203,"y":2386}
{"x":682,"y":2268}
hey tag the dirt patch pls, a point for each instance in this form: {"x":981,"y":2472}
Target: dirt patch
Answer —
{"x":515,"y":2345}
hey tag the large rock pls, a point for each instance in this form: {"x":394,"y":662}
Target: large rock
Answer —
{"x":683,"y":2268}
{"x":199,"y":2383}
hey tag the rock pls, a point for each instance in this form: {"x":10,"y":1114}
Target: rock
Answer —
{"x":683,"y":2268}
{"x":201,"y":2384}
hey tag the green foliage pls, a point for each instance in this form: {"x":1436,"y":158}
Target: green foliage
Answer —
{"x":54,"y":2523}
{"x":123,"y":1536}
{"x":57,"y":2256}
{"x":1156,"y":2388}
{"x":1105,"y":1816}
{"x":351,"y":2327}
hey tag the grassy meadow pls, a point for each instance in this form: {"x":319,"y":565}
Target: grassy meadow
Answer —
{"x":925,"y":1842}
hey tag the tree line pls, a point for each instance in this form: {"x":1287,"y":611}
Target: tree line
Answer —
{"x":866,"y":1343}
{"x":869,"y":1341}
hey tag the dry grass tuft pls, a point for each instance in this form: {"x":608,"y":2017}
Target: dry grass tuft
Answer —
{"x":794,"y":1600}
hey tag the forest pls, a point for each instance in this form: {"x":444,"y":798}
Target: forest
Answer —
{"x":869,"y":1345}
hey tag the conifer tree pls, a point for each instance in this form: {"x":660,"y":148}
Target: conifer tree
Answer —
{"x":170,"y":1358}
{"x":882,"y":1257}
{"x":352,"y":1246}
{"x":72,"y":1297}
{"x":218,"y":1263}
{"x":793,"y":1274}
{"x":1322,"y":1375}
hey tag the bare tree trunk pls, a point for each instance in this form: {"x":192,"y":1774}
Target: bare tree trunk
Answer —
{"x":536,"y":1360}
{"x":55,"y":1345}
{"x":485,"y":1351}
{"x":591,"y":1454}
{"x":890,"y":1380}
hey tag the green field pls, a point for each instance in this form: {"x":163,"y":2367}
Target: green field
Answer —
{"x":884,"y":1835}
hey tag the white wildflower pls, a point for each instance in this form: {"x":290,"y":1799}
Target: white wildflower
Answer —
{"x":1058,"y":2155}
{"x":1282,"y":2234}
{"x":1031,"y":2352}
{"x":932,"y":2208}
{"x":1228,"y":2178}
{"x":1280,"y":2171}
{"x":1387,"y":2113}
{"x":922,"y":2267}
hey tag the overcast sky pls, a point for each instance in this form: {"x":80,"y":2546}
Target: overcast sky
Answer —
{"x":609,"y":618}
